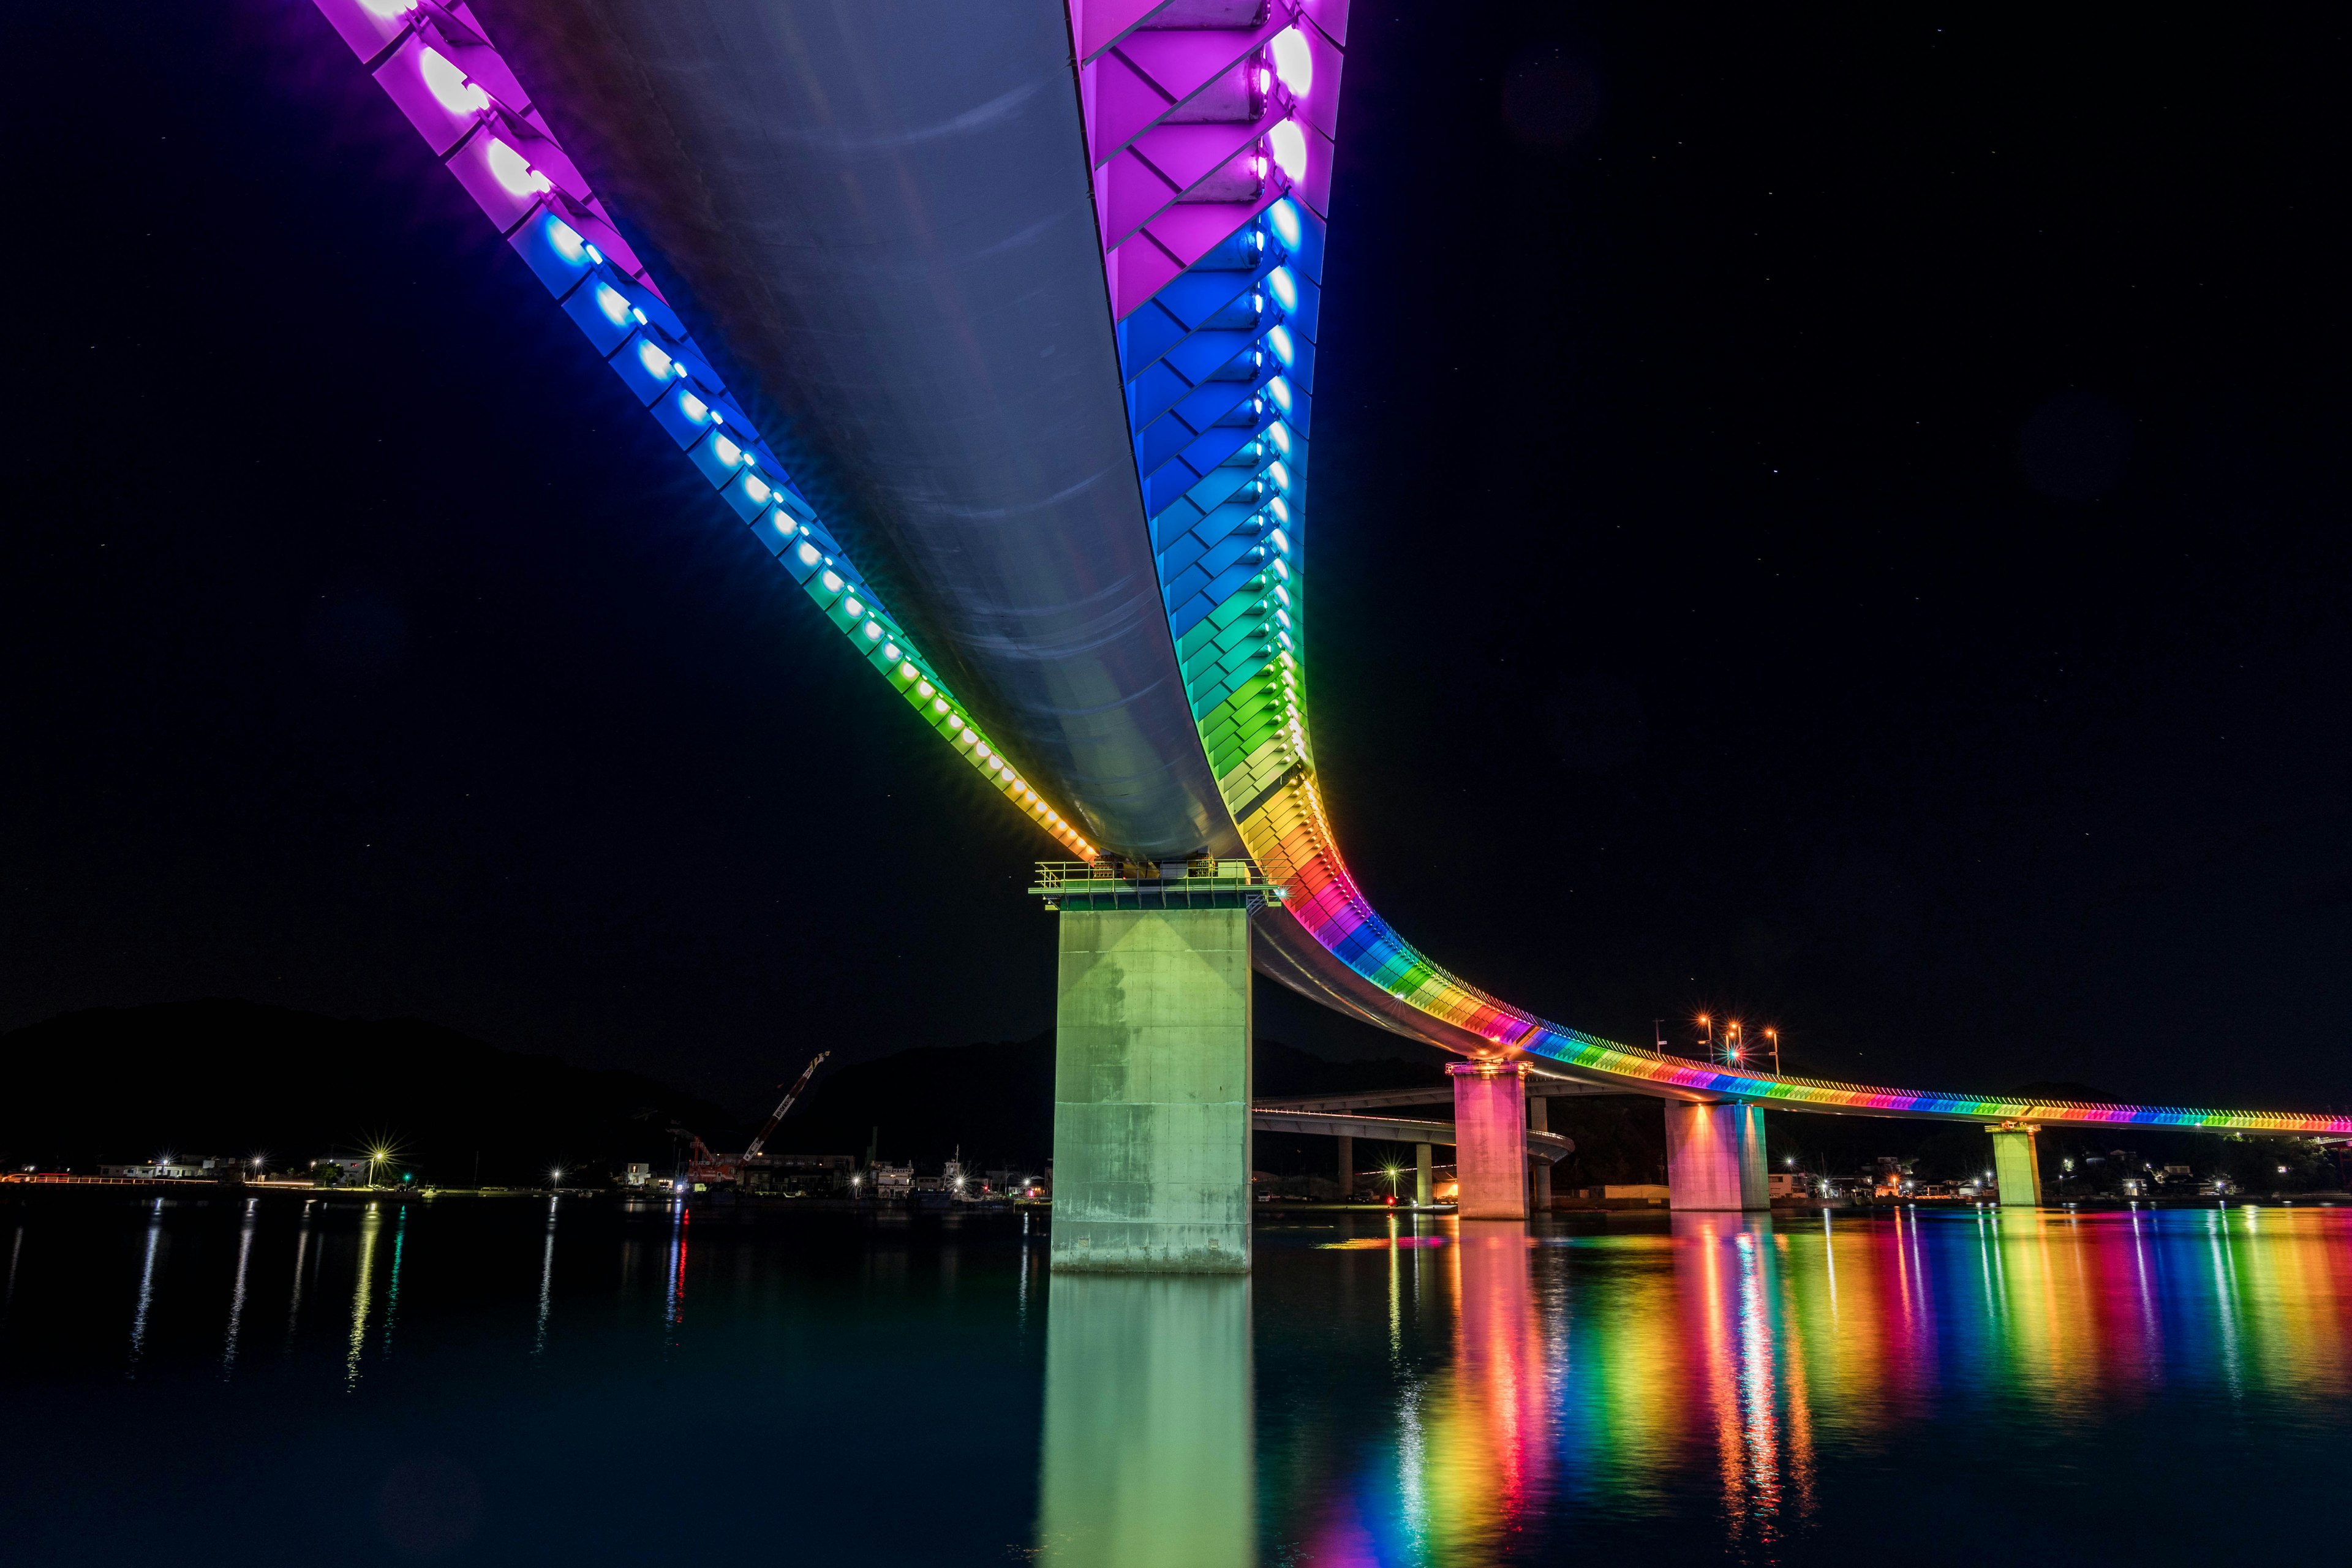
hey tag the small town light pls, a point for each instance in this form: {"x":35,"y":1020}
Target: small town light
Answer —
{"x":556,"y":1176}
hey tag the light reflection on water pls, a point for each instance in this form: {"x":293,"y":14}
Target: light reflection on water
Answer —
{"x":1384,"y":1389}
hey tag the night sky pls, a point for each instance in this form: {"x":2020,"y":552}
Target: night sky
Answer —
{"x":1829,"y":517}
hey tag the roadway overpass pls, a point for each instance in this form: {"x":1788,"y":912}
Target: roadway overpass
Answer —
{"x":997,"y":325}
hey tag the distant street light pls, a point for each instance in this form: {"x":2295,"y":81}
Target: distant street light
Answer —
{"x":555,"y":1177}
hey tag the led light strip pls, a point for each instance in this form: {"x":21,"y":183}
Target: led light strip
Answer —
{"x":1215,"y":285}
{"x":436,"y":65}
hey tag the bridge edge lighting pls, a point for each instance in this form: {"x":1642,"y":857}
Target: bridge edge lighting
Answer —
{"x":375,"y":31}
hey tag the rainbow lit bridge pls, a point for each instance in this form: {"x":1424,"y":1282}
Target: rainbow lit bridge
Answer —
{"x":996,"y":324}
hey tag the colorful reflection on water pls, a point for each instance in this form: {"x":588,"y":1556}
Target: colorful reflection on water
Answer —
{"x":1382,"y":1391}
{"x":1608,"y":1377}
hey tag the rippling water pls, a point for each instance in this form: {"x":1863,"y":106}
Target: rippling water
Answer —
{"x":271,"y":1380}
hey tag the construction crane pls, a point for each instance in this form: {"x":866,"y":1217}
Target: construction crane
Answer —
{"x":704,"y":1166}
{"x":785,"y":1104}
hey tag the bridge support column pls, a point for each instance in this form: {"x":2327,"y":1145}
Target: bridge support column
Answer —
{"x":1151,"y":1085}
{"x":1539,"y":1167}
{"x":2017,"y":1166}
{"x":1421,"y":1176}
{"x":1490,"y":1139}
{"x":1347,"y":1168}
{"x":1715,"y":1157}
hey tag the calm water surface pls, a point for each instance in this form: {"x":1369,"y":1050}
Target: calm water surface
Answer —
{"x":277,"y":1380}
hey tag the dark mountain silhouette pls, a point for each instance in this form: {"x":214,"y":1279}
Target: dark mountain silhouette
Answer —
{"x":233,"y":1078}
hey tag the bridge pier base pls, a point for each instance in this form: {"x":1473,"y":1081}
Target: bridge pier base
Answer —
{"x":1490,"y":1139}
{"x":2017,"y":1166}
{"x":1715,"y":1157}
{"x":1152,"y":1090}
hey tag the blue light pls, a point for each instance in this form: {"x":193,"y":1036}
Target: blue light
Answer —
{"x":1279,"y":475}
{"x":654,"y":359}
{"x":1278,"y":340}
{"x":1279,"y":390}
{"x":595,"y":256}
{"x":1281,"y":542}
{"x":615,"y":308}
{"x":1284,"y":288}
{"x":1281,"y":435}
{"x":566,"y":239}
{"x":640,"y":315}
{"x":1280,"y":508}
{"x":695,"y":409}
{"x":1285,"y":217}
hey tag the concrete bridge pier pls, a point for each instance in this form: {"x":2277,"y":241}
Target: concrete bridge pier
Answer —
{"x":1490,"y":1139}
{"x":1151,"y":1076}
{"x":1422,"y":1182}
{"x":1539,"y":1169}
{"x":2017,"y":1166}
{"x":1715,"y":1157}
{"x":1347,"y":1167}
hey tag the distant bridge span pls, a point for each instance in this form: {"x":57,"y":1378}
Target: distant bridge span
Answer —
{"x":997,"y":326}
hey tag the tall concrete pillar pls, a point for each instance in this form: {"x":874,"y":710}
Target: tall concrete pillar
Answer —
{"x":2017,"y":1166}
{"x":1347,"y":1166}
{"x":1421,"y":1176}
{"x":1715,"y":1157}
{"x":1490,"y":1139}
{"x":1148,"y":1457}
{"x":1539,"y":1167}
{"x":1151,"y":1076}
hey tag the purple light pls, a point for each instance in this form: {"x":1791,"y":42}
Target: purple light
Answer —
{"x":449,"y":86}
{"x":1288,"y":144}
{"x":515,"y":173}
{"x":1294,"y":62}
{"x":389,"y":8}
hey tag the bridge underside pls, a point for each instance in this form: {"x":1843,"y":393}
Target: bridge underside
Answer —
{"x":996,"y":325}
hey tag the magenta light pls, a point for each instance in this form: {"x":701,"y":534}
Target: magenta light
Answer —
{"x":1293,"y":62}
{"x":449,"y":85}
{"x":515,"y":173}
{"x":1288,"y":144}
